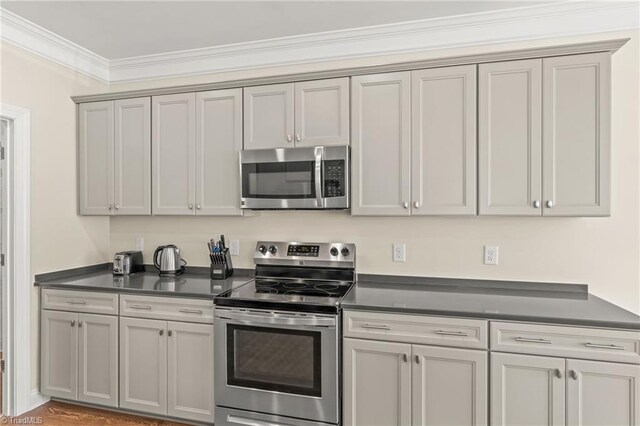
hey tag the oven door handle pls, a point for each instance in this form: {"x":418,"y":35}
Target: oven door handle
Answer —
{"x":252,"y":422}
{"x":319,"y":152}
{"x":249,"y":319}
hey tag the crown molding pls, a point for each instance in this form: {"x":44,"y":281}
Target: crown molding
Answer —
{"x":25,"y":34}
{"x":572,"y":18}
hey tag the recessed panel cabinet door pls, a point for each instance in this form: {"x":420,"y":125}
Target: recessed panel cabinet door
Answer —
{"x":95,"y":156}
{"x":509,"y":138}
{"x":173,"y":148}
{"x":143,"y":365}
{"x":218,"y":146}
{"x":132,"y":178}
{"x":444,"y":141}
{"x":268,"y":116}
{"x":527,"y":390}
{"x":602,"y":393}
{"x":381,"y":144}
{"x":449,"y":386}
{"x":59,"y":354}
{"x":577,"y":101}
{"x":190,"y":369}
{"x":98,"y":359}
{"x":377,"y":383}
{"x":322,"y":112}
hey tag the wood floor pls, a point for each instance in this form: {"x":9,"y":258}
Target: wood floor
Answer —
{"x":55,"y":413}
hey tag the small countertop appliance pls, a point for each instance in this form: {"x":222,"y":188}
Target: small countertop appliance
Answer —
{"x":127,"y":262}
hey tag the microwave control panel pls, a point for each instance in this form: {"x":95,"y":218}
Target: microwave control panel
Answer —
{"x":334,"y":178}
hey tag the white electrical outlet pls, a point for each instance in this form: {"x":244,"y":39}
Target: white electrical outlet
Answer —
{"x":234,"y":247}
{"x":490,"y":255}
{"x":140,"y":243}
{"x":399,"y":252}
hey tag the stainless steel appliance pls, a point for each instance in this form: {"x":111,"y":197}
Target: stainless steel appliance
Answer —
{"x":167,"y":260}
{"x":277,"y":338}
{"x":295,"y":178}
{"x":127,"y":262}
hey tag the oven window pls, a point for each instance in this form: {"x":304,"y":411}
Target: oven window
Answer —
{"x":274,"y":359}
{"x":279,"y":180}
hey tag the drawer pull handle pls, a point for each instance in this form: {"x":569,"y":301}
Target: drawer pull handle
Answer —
{"x":531,"y":340}
{"x":451,"y":333}
{"x":142,"y":307}
{"x":376,"y":327}
{"x":598,"y":346}
{"x":76,"y":302}
{"x":191,"y":311}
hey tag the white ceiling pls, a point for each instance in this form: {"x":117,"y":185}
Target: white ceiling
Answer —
{"x":119,"y":29}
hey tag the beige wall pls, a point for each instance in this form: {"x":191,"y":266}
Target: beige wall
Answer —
{"x":602,"y":252}
{"x":60,"y":238}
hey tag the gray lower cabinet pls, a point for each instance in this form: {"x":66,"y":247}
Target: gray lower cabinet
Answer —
{"x":79,"y":358}
{"x":388,"y":383}
{"x":166,"y":368}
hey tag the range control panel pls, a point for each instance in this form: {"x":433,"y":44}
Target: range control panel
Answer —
{"x":292,"y":253}
{"x":303,"y":250}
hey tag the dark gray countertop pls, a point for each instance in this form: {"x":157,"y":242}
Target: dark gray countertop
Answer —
{"x":501,"y":300}
{"x":194,"y":283}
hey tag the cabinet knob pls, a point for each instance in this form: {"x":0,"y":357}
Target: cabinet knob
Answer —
{"x":79,"y":323}
{"x":169,"y":333}
{"x":117,"y":207}
{"x":298,"y":139}
{"x":289,"y":138}
{"x":198,"y":206}
{"x":405,"y":205}
{"x":190,"y":206}
{"x":405,"y":357}
{"x":549,"y":204}
{"x":573,"y":374}
{"x":417,"y":359}
{"x":162,"y":331}
{"x":109,"y":206}
{"x":73,"y":323}
{"x":416,"y":204}
{"x":558,"y":373}
{"x":536,"y":204}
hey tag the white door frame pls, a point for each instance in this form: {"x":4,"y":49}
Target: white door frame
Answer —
{"x":18,"y":279}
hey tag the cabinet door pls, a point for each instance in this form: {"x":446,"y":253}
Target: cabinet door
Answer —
{"x":449,"y":386}
{"x":527,"y":390}
{"x":602,"y":393}
{"x":377,"y":383}
{"x":173,"y":148}
{"x":322,"y":112}
{"x":59,"y":354}
{"x":98,"y":359}
{"x":509,"y":138}
{"x":577,"y":102}
{"x":95,"y":157}
{"x":190,"y":369}
{"x":381,"y":145}
{"x":132,"y":177}
{"x":443,"y":148}
{"x":218,"y":146}
{"x":143,"y":365}
{"x":268,"y":116}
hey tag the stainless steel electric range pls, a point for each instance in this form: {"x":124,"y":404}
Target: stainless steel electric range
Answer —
{"x":277,"y":338}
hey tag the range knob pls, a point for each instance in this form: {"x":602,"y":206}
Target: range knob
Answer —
{"x":262,"y":249}
{"x":334,"y":251}
{"x":273,"y":249}
{"x":345,"y":251}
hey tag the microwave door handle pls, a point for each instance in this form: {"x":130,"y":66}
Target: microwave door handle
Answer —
{"x":319,"y":151}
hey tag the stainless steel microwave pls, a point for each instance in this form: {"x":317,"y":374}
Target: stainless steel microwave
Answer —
{"x":295,"y":178}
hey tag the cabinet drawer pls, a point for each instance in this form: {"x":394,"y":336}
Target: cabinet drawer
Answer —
{"x":80,"y":301}
{"x":568,"y":342}
{"x":167,"y":308}
{"x":465,"y":333}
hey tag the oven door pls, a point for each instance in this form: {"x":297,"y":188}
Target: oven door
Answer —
{"x":279,"y":363}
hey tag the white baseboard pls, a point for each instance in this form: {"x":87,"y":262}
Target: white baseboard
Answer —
{"x":37,"y":399}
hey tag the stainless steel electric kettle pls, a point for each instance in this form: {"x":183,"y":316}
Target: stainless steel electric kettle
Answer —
{"x":167,"y":260}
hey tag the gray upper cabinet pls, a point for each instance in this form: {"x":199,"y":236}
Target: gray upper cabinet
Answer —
{"x":95,"y":157}
{"x":132,"y":178}
{"x":218,"y":146}
{"x":322,"y":112}
{"x":190,"y":371}
{"x":115,"y":157}
{"x":509,"y":138}
{"x":174,"y":152}
{"x":268,"y":116}
{"x":576,"y":132}
{"x":443,"y":148}
{"x":381,"y":144}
